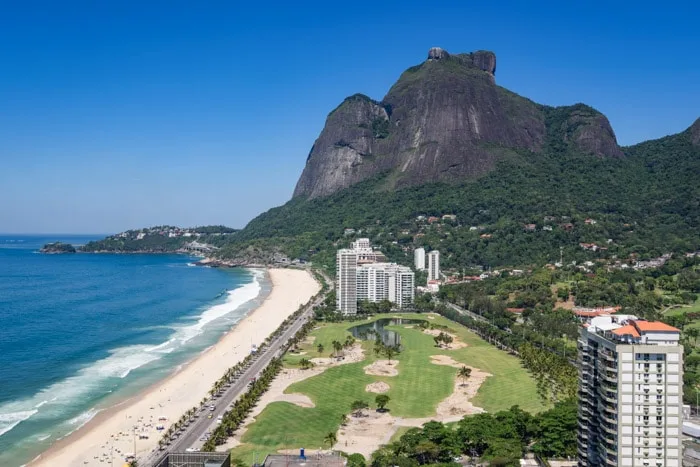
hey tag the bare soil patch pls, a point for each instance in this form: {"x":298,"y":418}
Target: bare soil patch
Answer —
{"x":352,"y":355}
{"x":379,"y":387}
{"x":382,"y":368}
{"x":456,"y":342}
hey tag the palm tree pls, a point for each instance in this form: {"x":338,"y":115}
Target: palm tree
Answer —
{"x":331,"y":439}
{"x":337,"y":347}
{"x":305,"y":363}
{"x":319,"y":348}
{"x":464,"y":373}
{"x":390,"y":351}
{"x":343,"y":420}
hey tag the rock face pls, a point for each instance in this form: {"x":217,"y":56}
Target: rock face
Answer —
{"x":695,"y":133}
{"x":443,"y":120}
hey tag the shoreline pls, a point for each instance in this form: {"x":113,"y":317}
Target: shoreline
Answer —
{"x":110,"y":434}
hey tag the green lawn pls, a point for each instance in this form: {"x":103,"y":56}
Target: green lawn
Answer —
{"x":415,"y":391}
{"x":695,"y":307}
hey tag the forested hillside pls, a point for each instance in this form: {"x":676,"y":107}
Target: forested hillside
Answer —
{"x":646,"y":203}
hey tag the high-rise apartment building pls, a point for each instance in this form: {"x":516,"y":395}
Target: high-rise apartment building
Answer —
{"x":434,"y":265}
{"x":419,"y":259}
{"x":385,"y":281}
{"x":346,"y":277}
{"x":630,"y":393}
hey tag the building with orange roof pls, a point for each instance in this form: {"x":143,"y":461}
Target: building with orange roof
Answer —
{"x":630,"y":393}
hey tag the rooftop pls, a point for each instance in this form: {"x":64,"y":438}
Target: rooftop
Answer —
{"x":628,"y":329}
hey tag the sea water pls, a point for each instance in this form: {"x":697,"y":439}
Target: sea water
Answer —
{"x":81,"y":332}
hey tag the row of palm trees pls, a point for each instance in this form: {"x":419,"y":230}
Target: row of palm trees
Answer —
{"x":233,"y":374}
{"x":234,"y":418}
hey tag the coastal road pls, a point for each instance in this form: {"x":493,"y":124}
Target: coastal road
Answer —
{"x":202,"y":424}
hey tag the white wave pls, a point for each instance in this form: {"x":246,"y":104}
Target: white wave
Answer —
{"x":43,"y":437}
{"x":60,"y":399}
{"x":234,"y":300}
{"x":54,"y":401}
{"x":10,"y":420}
{"x":83,"y":418}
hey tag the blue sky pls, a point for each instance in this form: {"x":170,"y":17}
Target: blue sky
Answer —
{"x":116,"y":115}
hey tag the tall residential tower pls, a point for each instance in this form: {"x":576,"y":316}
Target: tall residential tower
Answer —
{"x":630,"y":393}
{"x":346,"y":276}
{"x":434,"y":265}
{"x":419,"y":259}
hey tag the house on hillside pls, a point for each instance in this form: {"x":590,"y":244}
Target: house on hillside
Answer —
{"x":530,"y":227}
{"x":568,"y":226}
{"x":433,"y":219}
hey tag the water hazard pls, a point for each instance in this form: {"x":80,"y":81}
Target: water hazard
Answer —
{"x":377,"y":329}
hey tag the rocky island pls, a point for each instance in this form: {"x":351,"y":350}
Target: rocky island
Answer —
{"x":58,"y":248}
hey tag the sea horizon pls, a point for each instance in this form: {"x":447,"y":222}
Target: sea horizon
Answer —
{"x":117,"y":325}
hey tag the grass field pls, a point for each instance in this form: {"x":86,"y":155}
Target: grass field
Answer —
{"x":415,"y":391}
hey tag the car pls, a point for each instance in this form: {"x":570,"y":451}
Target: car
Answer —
{"x":189,"y":450}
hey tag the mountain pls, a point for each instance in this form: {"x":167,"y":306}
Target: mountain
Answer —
{"x":525,"y":182}
{"x":443,"y":120}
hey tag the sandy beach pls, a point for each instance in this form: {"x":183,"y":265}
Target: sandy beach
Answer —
{"x":122,"y":429}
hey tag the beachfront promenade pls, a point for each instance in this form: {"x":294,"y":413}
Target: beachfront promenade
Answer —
{"x":191,"y":438}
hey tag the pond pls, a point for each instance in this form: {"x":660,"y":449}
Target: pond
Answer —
{"x":370,"y":331}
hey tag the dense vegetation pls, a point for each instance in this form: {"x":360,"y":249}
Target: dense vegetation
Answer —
{"x":499,"y":438}
{"x":159,"y":239}
{"x":646,"y":203}
{"x":58,"y":247}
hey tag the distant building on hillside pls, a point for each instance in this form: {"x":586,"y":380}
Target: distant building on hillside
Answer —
{"x":419,"y":259}
{"x":434,"y":265}
{"x":346,"y":276}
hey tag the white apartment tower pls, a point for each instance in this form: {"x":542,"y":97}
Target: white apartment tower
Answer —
{"x":434,"y":265}
{"x":419,"y":259}
{"x":385,"y":281}
{"x":346,"y":276}
{"x":630,"y":393}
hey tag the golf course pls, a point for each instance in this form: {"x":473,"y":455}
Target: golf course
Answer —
{"x":416,"y":384}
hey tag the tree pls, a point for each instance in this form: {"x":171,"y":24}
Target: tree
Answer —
{"x":464,"y":373}
{"x":357,"y":407}
{"x":378,"y":346}
{"x":331,"y":439}
{"x":343,"y":420}
{"x":319,"y":347}
{"x":305,"y":364}
{"x":390,"y":351}
{"x":337,"y":347}
{"x":382,"y":400}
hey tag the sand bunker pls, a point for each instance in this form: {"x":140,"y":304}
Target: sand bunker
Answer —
{"x":378,"y":387}
{"x":302,"y":400}
{"x":382,"y":368}
{"x":364,"y":435}
{"x":352,"y":355}
{"x":456,"y":343}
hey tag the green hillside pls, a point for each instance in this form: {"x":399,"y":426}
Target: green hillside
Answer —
{"x":645,"y":203}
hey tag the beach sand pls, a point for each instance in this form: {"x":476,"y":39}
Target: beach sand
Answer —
{"x":110,"y":435}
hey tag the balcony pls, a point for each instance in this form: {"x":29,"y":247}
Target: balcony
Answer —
{"x":608,"y":356}
{"x":609,"y":397}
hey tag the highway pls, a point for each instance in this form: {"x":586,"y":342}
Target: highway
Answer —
{"x":190,"y":438}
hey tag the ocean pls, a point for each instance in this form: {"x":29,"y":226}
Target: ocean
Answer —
{"x":81,"y":332}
